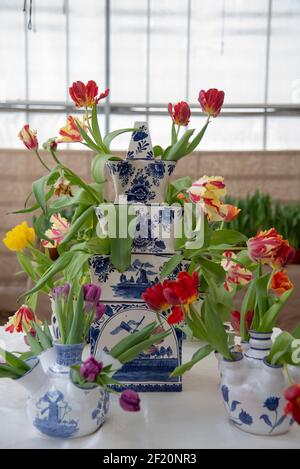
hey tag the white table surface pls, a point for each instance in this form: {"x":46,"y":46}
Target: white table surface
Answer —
{"x":194,"y":418}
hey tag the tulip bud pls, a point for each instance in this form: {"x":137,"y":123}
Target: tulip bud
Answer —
{"x":28,"y":137}
{"x":130,"y":401}
{"x":211,"y":101}
{"x":50,"y":144}
{"x":90,"y":369}
{"x":91,"y":293}
{"x":181,"y":113}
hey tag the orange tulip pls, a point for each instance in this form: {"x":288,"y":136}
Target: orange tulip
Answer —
{"x":229,"y":212}
{"x":281,"y":283}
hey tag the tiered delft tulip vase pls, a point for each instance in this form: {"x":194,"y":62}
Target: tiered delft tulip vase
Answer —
{"x":56,"y":406}
{"x":253,"y":390}
{"x":140,"y":182}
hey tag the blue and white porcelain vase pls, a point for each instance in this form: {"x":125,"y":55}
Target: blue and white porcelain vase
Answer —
{"x":253,"y":390}
{"x":140,"y":183}
{"x":140,"y":178}
{"x":56,"y":406}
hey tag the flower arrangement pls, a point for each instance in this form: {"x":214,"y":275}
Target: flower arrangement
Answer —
{"x":222,"y":261}
{"x":70,"y":241}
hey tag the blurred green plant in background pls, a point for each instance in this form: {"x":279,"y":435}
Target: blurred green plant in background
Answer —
{"x":260,"y":212}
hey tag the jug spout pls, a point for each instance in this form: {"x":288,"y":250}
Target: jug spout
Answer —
{"x":233,"y":370}
{"x":35,"y":378}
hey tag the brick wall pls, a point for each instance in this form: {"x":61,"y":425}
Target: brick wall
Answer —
{"x":275,"y":172}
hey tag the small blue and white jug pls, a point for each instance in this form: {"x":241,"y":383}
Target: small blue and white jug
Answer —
{"x":56,"y":406}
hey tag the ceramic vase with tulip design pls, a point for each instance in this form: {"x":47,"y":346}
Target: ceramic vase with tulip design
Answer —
{"x":253,"y":390}
{"x":140,"y":183}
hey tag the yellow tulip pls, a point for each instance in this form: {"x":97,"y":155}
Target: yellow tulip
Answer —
{"x":19,"y":237}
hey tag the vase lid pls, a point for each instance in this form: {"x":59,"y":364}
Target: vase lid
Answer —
{"x":140,"y":146}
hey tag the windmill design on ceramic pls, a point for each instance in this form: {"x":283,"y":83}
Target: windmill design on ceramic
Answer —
{"x":140,"y":181}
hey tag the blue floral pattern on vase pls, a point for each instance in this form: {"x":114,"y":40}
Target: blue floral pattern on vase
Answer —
{"x":68,"y":355}
{"x":243,"y":418}
{"x":140,"y":190}
{"x":273,"y":421}
{"x":52,"y":416}
{"x":156,"y":171}
{"x":140,"y":135}
{"x":126,"y":171}
{"x":140,"y":144}
{"x":102,"y":267}
{"x":100,"y":412}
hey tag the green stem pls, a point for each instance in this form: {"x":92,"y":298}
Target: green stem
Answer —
{"x":88,"y":122}
{"x":41,"y":161}
{"x":55,"y":157}
{"x":159,"y":319}
{"x":59,"y":316}
{"x":259,"y":269}
{"x":289,"y":378}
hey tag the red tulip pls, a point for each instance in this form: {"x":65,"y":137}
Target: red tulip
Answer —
{"x":284,"y":255}
{"x":176,"y":316}
{"x":86,"y":95}
{"x":292,"y":394}
{"x":28,"y":137}
{"x":281,"y":283}
{"x":270,"y":248}
{"x":154,"y":297}
{"x":235,"y":319}
{"x":211,"y":101}
{"x":184,"y":290}
{"x":181,"y":113}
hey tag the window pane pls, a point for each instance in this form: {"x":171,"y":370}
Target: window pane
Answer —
{"x":12,"y":51}
{"x":231,"y":133}
{"x":283,"y":133}
{"x":86,"y":53}
{"x":10,"y":125}
{"x":284,"y":83}
{"x":168,"y":46}
{"x":228,"y":48}
{"x":47,"y":53}
{"x":128,"y":51}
